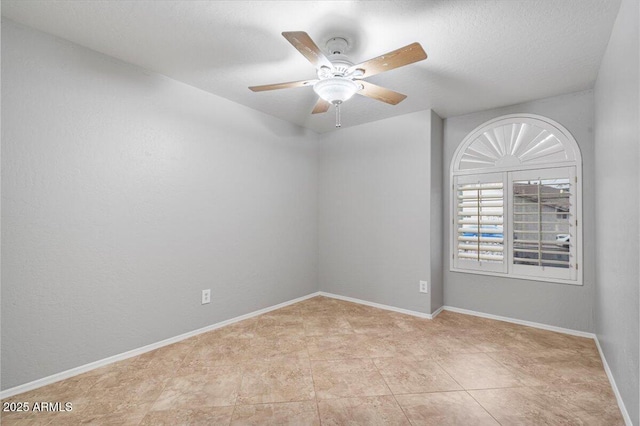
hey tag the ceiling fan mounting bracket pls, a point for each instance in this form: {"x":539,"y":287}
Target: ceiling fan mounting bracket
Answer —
{"x":337,"y":46}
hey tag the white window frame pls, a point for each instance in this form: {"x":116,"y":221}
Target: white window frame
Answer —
{"x":509,"y":169}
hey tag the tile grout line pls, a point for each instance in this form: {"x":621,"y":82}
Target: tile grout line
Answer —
{"x":448,"y":374}
{"x":466,"y":391}
{"x":392,"y":393}
{"x":235,"y":402}
{"x":168,"y":381}
{"x":313,"y":380}
{"x":483,"y":407}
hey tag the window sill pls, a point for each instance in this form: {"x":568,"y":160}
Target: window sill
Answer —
{"x":518,"y":277}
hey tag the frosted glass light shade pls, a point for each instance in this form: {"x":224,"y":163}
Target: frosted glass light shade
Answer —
{"x":336,"y":89}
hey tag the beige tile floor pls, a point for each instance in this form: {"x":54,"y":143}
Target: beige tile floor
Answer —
{"x":330,"y":362}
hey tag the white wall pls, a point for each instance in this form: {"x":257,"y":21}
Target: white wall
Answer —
{"x":125,"y":194}
{"x":560,"y":305}
{"x":617,"y":210}
{"x":374,"y":201}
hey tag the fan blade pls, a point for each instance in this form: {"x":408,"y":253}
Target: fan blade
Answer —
{"x":321,"y":106}
{"x":301,"y":41}
{"x":398,"y":58}
{"x":283,"y":85}
{"x":380,"y":93}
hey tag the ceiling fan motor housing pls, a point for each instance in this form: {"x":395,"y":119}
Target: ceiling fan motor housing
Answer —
{"x":340,"y":64}
{"x":337,"y":47}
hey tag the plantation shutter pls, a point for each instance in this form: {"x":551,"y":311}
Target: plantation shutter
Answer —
{"x":543,"y":221}
{"x":515,"y":201}
{"x":479,"y":222}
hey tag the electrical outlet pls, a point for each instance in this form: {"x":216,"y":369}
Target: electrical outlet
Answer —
{"x":424,"y":287}
{"x":206,"y":296}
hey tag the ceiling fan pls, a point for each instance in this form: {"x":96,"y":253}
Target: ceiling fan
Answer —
{"x":339,"y":79}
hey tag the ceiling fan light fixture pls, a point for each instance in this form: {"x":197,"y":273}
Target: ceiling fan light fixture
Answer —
{"x":336,"y":90}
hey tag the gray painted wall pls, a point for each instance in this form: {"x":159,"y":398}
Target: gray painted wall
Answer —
{"x":125,"y":194}
{"x":437,"y":213}
{"x":559,"y":305}
{"x":617,"y":231}
{"x":374,"y":211}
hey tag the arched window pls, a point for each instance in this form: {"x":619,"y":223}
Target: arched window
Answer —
{"x":516,"y":201}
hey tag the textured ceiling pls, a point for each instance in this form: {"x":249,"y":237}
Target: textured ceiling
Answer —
{"x":482,"y":54}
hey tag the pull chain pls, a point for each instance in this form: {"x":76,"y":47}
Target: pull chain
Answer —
{"x":338,"y":124}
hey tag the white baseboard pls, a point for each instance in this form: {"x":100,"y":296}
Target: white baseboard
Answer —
{"x":139,"y":351}
{"x":437,"y":312}
{"x":623,"y":409}
{"x":522,"y":322}
{"x":377,"y":305}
